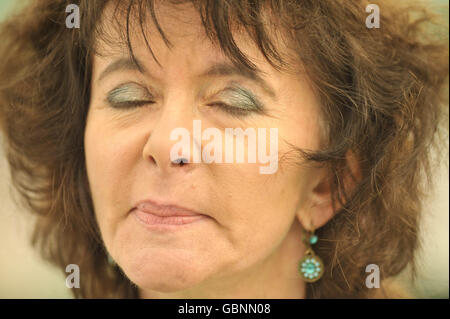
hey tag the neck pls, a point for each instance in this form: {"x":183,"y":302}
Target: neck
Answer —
{"x":276,"y":277}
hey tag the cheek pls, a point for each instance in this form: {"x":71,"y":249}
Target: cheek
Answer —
{"x":109,"y":161}
{"x":260,"y":208}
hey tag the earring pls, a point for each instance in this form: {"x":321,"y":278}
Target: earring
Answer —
{"x":310,"y":266}
{"x":111,"y":261}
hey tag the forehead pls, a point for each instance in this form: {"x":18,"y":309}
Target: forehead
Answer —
{"x":165,"y":29}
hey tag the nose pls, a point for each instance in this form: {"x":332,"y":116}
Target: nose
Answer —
{"x":159,"y":152}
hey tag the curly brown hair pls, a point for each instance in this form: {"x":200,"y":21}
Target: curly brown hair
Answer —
{"x":383,"y":97}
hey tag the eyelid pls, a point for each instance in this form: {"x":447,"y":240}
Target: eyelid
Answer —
{"x":233,"y":110}
{"x":241,"y":102}
{"x":242,"y":96}
{"x":128,"y":93}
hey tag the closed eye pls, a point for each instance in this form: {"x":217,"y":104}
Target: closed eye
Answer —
{"x":129,"y":95}
{"x":232,"y":110}
{"x":241,"y":102}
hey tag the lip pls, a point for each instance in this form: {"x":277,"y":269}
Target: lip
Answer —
{"x":165,"y":216}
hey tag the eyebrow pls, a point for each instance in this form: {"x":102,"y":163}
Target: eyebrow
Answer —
{"x":225,"y":69}
{"x":121,"y":64}
{"x":216,"y":70}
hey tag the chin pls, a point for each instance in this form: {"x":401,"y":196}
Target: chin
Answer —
{"x":163,"y":275}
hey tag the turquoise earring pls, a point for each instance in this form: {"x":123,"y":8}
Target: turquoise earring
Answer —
{"x":310,"y":266}
{"x":111,"y":261}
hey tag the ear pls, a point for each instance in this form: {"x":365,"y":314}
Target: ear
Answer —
{"x":318,"y":209}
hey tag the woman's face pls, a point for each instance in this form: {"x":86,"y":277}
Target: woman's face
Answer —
{"x":246,"y":219}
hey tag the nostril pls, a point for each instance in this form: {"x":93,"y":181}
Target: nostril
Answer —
{"x":180,"y":161}
{"x":152,"y":159}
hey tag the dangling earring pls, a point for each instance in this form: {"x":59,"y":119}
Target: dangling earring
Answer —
{"x":310,"y":266}
{"x":111,"y":261}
